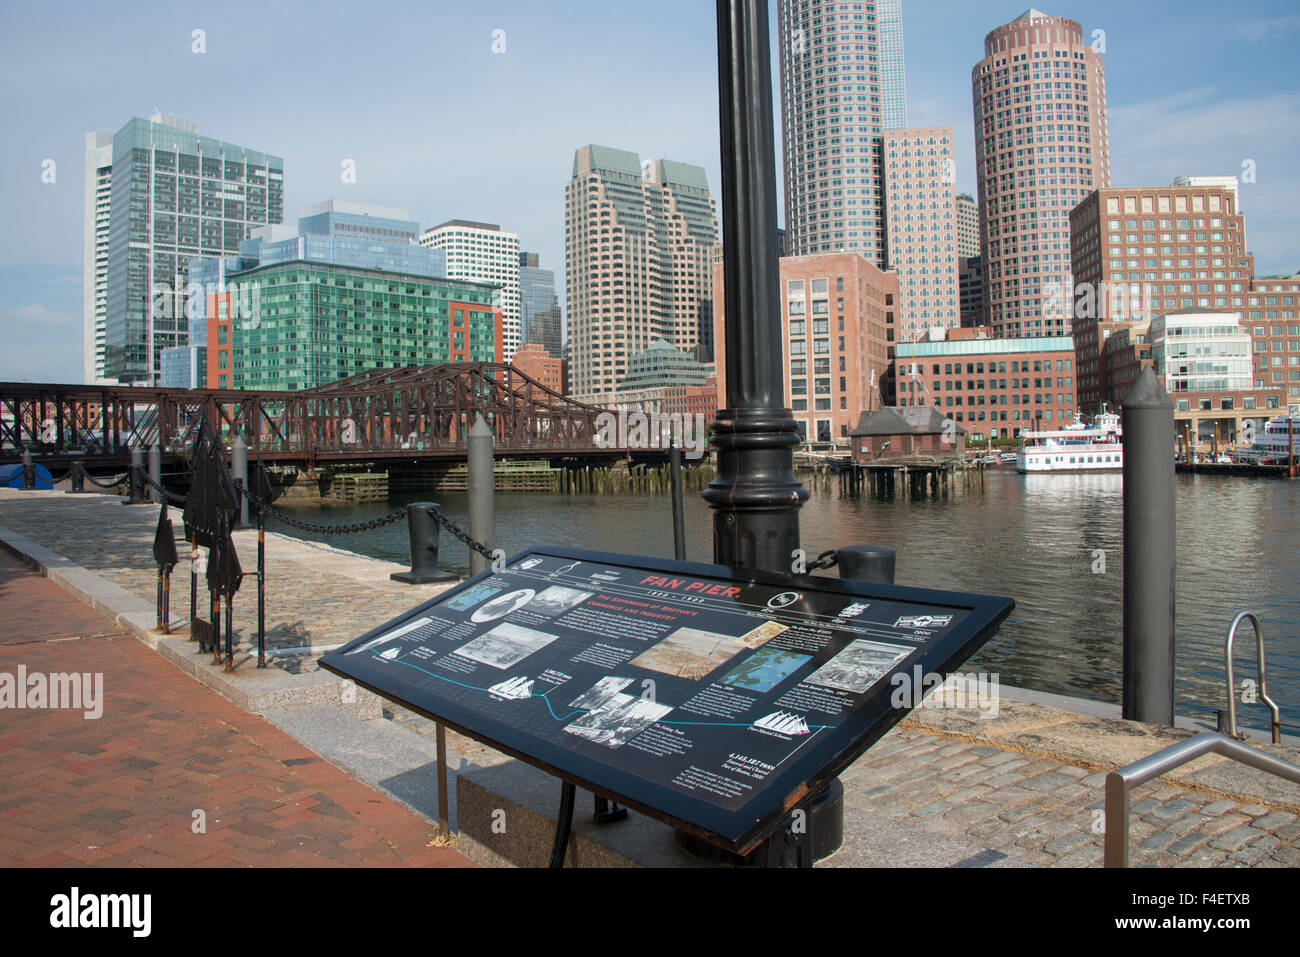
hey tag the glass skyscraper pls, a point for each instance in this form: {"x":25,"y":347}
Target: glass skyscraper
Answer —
{"x":175,"y":196}
{"x":344,"y":233}
{"x":539,"y":306}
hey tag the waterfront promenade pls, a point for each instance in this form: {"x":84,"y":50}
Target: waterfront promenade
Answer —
{"x":946,"y":787}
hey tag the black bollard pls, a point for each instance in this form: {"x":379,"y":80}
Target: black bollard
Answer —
{"x":867,"y":563}
{"x":77,"y":478}
{"x":1148,"y":676}
{"x":423,"y":530}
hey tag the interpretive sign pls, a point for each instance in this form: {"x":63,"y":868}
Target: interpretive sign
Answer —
{"x":712,"y":698}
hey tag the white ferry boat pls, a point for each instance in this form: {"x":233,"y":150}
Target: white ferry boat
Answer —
{"x":1076,"y":447}
{"x":1269,"y":447}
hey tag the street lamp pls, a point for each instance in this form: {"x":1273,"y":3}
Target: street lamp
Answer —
{"x":756,"y":496}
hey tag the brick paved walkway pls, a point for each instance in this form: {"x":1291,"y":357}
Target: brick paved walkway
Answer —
{"x":123,"y":789}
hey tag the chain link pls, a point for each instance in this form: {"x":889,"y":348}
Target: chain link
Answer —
{"x":463,"y":536}
{"x":175,"y":499}
{"x":91,"y":479}
{"x":826,"y":559}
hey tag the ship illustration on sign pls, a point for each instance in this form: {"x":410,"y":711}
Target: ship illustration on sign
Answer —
{"x":390,"y":654}
{"x":783,"y":722}
{"x":513,"y":688}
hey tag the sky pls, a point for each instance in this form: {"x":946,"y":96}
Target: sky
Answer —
{"x":436,"y":121}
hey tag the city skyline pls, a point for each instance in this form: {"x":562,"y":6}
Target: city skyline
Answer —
{"x":518,"y":162}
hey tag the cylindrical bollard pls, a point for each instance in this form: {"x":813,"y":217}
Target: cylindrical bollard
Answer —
{"x":135,"y":478}
{"x":679,"y":520}
{"x":239,"y":472}
{"x":867,"y":563}
{"x":482,"y":489}
{"x":1148,"y":442}
{"x":29,"y":470}
{"x":77,"y":478}
{"x":423,"y":529}
{"x":155,"y":474}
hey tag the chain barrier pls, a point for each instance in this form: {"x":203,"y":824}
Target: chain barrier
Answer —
{"x":175,"y":499}
{"x":111,"y":485}
{"x":394,"y":516}
{"x":826,"y":559}
{"x":463,"y":536}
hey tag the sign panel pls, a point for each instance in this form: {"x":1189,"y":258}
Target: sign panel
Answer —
{"x":712,"y":698}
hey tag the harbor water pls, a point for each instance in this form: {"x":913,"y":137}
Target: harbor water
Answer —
{"x":1052,"y":542}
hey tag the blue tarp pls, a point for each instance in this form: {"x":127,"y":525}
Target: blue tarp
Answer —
{"x":11,"y":476}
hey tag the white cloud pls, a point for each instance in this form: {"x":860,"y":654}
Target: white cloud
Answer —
{"x":1264,"y":29}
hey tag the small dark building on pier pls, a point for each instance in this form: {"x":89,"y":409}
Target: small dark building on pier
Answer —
{"x":915,"y":433}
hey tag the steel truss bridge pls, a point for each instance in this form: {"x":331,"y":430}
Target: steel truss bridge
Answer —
{"x":414,"y":413}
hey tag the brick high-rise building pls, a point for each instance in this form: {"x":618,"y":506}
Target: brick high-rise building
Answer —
{"x":921,"y":229}
{"x":1041,"y":145}
{"x":839,"y":315}
{"x":842,"y":85}
{"x":1140,"y":252}
{"x":638,"y":254}
{"x":1273,"y":317}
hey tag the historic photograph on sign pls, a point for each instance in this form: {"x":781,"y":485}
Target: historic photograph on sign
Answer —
{"x":690,"y":653}
{"x":765,"y":669}
{"x":619,"y":718}
{"x":557,"y":599}
{"x":859,"y":665}
{"x":763,"y":634}
{"x":505,"y":645}
{"x":600,"y":692}
{"x":500,"y":607}
{"x":472,"y":596}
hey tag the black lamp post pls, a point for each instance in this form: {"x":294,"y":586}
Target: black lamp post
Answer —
{"x":756,"y":496}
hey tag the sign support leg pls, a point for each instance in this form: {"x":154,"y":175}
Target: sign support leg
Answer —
{"x":563,"y":825}
{"x":444,"y":815}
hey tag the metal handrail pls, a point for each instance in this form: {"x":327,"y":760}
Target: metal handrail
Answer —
{"x":1276,"y":723}
{"x":1119,"y":784}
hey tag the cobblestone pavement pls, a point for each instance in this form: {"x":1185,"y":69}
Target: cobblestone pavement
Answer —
{"x":316,"y":595}
{"x":1049,"y":812}
{"x":123,"y":789}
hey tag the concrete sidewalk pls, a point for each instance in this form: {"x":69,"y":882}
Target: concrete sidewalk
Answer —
{"x":171,"y":773}
{"x":955,"y":787}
